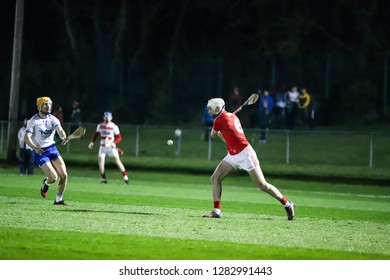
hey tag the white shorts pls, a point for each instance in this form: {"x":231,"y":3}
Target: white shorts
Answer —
{"x":246,"y":159}
{"x":108,"y":151}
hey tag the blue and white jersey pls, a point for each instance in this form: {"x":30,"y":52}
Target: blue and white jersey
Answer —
{"x":42,"y":129}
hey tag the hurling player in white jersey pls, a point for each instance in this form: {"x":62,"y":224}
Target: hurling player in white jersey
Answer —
{"x":110,"y":136}
{"x":240,"y":155}
{"x":39,"y":135}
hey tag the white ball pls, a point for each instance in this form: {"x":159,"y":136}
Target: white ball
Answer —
{"x":170,"y":142}
{"x":177,"y":132}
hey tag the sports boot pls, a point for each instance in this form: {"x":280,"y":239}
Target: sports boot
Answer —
{"x":213,"y":214}
{"x":290,"y":211}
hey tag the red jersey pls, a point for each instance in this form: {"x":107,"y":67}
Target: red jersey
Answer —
{"x":230,"y":127}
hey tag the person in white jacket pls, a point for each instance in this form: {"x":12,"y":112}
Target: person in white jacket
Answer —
{"x":26,"y":154}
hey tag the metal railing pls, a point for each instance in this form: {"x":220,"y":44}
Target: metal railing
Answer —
{"x":344,"y":148}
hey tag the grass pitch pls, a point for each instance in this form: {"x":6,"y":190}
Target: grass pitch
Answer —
{"x":159,"y":216}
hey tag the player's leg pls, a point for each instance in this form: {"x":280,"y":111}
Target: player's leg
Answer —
{"x":223,"y":169}
{"x":252,"y":166}
{"x":258,"y":178}
{"x":50,"y":172}
{"x":51,"y":177}
{"x":60,"y":167}
{"x":120,"y":165}
{"x":102,"y":162}
{"x":120,"y":151}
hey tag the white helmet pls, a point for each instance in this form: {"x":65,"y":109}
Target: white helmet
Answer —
{"x":213,"y":103}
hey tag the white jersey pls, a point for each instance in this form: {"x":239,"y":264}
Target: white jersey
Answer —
{"x":21,"y":133}
{"x":43,"y":130}
{"x":293,"y":96}
{"x":107,"y":132}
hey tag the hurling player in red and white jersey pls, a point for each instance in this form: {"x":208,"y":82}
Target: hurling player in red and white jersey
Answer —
{"x":110,"y":136}
{"x":240,"y":155}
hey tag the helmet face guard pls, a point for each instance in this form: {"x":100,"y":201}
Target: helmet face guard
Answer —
{"x":216,"y":106}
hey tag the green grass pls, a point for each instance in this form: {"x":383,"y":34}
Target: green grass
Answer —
{"x":312,"y":155}
{"x":159,"y":217}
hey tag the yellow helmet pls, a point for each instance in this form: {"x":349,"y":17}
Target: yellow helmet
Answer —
{"x":42,"y":100}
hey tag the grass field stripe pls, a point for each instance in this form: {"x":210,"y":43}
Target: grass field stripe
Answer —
{"x":345,"y":194}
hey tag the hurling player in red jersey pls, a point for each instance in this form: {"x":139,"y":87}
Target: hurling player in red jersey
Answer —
{"x":240,"y":155}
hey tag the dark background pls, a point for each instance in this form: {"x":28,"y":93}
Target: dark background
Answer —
{"x":158,"y":62}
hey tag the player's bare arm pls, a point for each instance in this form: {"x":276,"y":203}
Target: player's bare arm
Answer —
{"x":62,"y":134}
{"x":27,"y":139}
{"x":215,"y":134}
{"x":95,"y":135}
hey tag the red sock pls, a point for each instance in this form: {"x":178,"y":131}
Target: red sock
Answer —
{"x":217,"y":204}
{"x":283,"y":200}
{"x":103,"y":175}
{"x":124,"y":173}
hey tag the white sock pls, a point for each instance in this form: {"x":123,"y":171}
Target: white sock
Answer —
{"x":126,"y":178}
{"x":58,"y":197}
{"x":287,"y":204}
{"x":218,"y":211}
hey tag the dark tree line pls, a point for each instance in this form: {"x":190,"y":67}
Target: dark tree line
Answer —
{"x":158,"y":61}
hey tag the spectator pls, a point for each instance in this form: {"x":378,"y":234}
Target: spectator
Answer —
{"x":59,"y":114}
{"x":266,"y":104}
{"x":303,"y":105}
{"x":26,"y":155}
{"x":311,"y":112}
{"x":75,"y":117}
{"x":292,"y":107}
{"x":280,"y":107}
{"x":208,"y":122}
{"x":235,"y":100}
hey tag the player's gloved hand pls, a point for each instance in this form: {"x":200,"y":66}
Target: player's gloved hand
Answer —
{"x":64,"y":141}
{"x":90,"y":145}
